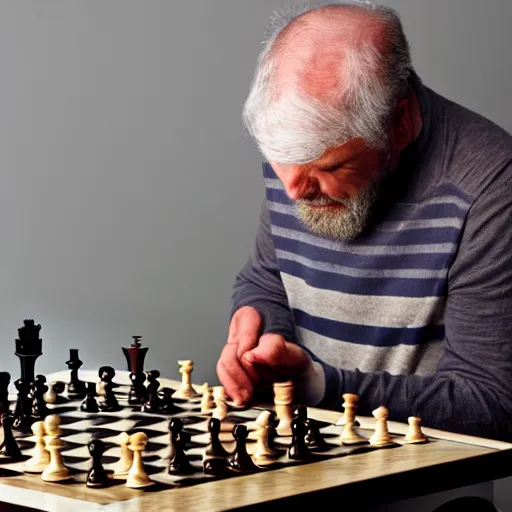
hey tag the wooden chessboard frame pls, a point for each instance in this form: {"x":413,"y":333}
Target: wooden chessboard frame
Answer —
{"x":368,"y":479}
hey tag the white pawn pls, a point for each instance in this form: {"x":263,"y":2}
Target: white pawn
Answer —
{"x":221,"y":406}
{"x":40,"y":456}
{"x":137,"y":477}
{"x":186,"y":390}
{"x":123,"y":465}
{"x":381,"y":436}
{"x":207,"y":403}
{"x":264,"y":454}
{"x":415,"y":435}
{"x":56,"y":471}
{"x":50,"y":397}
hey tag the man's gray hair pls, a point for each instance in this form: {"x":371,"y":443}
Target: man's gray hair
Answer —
{"x":298,"y":128}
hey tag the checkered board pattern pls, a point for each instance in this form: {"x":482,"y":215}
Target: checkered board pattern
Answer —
{"x":78,"y":427}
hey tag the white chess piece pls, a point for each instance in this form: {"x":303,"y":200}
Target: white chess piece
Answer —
{"x":40,"y":456}
{"x":137,"y":477}
{"x":186,"y":389}
{"x":207,"y":403}
{"x":123,"y":465}
{"x":56,"y":471}
{"x":414,"y":434}
{"x":264,"y":454}
{"x":381,"y":435}
{"x":283,"y":401}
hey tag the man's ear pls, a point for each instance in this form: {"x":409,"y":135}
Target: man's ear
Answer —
{"x":402,"y":126}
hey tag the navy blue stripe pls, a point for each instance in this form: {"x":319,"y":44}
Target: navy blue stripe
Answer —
{"x":398,"y":238}
{"x":368,"y":335}
{"x":394,"y":287}
{"x":397,"y":261}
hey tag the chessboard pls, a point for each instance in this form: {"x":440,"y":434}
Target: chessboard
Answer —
{"x":203,"y":441}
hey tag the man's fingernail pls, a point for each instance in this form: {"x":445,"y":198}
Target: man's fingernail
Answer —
{"x":243,"y":396}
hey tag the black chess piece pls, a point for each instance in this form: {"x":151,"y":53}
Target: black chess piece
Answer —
{"x":109,"y":402}
{"x":298,"y":449}
{"x":9,"y":447}
{"x":138,"y":394}
{"x":23,"y":409}
{"x":300,"y":412}
{"x":90,"y":404}
{"x":76,"y":387}
{"x":314,"y":439}
{"x":240,"y":460}
{"x":167,"y":405}
{"x":97,"y":476}
{"x":28,"y":348}
{"x":39,"y":388}
{"x":5,"y":380}
{"x":179,"y":463}
{"x":215,"y":449}
{"x":153,"y":402}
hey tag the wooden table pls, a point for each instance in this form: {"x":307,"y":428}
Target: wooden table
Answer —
{"x":364,"y":480}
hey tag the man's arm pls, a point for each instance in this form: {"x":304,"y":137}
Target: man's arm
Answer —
{"x":259,"y":284}
{"x":471,"y":391}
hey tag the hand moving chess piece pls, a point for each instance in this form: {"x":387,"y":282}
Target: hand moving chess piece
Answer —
{"x":56,"y":471}
{"x":348,"y":435}
{"x":137,"y":477}
{"x":97,"y":476}
{"x":109,"y":402}
{"x":283,"y":400}
{"x":5,"y":379}
{"x":9,"y":447}
{"x":125,"y":462}
{"x":186,"y":390}
{"x":240,"y":460}
{"x":381,"y":436}
{"x":76,"y":388}
{"x":415,"y":435}
{"x":90,"y":404}
{"x":40,"y":456}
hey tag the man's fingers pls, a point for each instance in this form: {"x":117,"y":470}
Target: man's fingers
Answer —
{"x":233,"y":377}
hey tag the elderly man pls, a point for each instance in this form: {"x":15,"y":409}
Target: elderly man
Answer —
{"x":383,"y":260}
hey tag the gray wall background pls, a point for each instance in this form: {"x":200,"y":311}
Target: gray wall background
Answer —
{"x":129,"y":194}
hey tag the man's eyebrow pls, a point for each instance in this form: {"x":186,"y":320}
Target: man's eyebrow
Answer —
{"x":334,"y":163}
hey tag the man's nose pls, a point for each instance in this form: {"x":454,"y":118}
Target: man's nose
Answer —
{"x":300,"y":186}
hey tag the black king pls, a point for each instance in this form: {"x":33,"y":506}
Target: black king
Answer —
{"x":29,"y":346}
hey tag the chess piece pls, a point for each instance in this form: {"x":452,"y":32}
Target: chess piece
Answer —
{"x":214,"y":449}
{"x":240,"y":461}
{"x":40,"y":456}
{"x":264,"y":454}
{"x":137,"y":477}
{"x":90,"y":404}
{"x":298,"y":449}
{"x":283,"y":400}
{"x":39,"y":389}
{"x":314,"y":439}
{"x":207,"y":402}
{"x":9,"y":447}
{"x":221,"y":403}
{"x":381,"y":435}
{"x":135,"y":356}
{"x":179,"y":463}
{"x":108,"y":402}
{"x":76,"y":388}
{"x":23,"y":409}
{"x":5,"y":379}
{"x":28,"y":348}
{"x":56,"y":471}
{"x":175,"y":427}
{"x":167,"y":405}
{"x":97,"y":476}
{"x":153,"y":402}
{"x":54,"y":390}
{"x":186,"y":390}
{"x":123,"y":465}
{"x":348,"y":435}
{"x":414,"y":434}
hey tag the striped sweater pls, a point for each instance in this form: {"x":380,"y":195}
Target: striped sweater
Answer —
{"x":416,"y":313}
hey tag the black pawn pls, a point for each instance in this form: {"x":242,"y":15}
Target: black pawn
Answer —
{"x":175,"y":427}
{"x":298,"y":449}
{"x":109,"y":401}
{"x":301,"y":413}
{"x":153,"y":402}
{"x":240,"y":460}
{"x":179,"y":463}
{"x":39,"y":388}
{"x":138,"y":393}
{"x":9,"y":447}
{"x":167,"y":405}
{"x":97,"y":476}
{"x":76,"y":388}
{"x":5,"y":379}
{"x":215,"y":448}
{"x":314,"y":439}
{"x":90,"y":404}
{"x":23,"y":409}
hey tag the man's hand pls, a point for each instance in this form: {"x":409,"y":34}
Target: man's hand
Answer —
{"x":237,"y":376}
{"x":276,"y":359}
